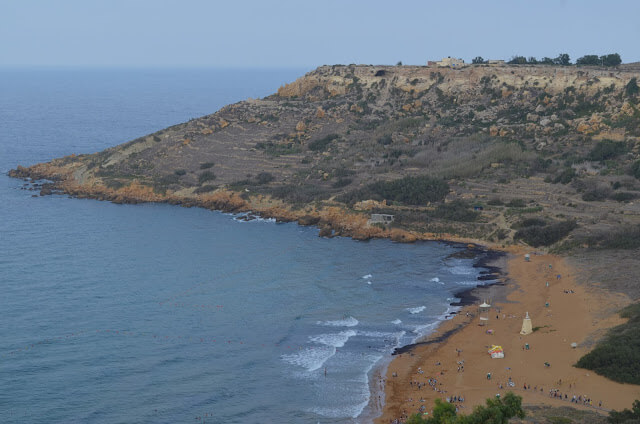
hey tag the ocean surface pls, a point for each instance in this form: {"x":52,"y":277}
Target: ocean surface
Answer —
{"x":160,"y":314}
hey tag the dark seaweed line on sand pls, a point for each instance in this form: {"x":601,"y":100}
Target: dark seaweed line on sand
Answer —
{"x":469,"y":296}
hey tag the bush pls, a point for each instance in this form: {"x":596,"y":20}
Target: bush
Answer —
{"x":206,"y":176}
{"x":617,"y":356}
{"x":627,"y":237}
{"x":341,"y":182}
{"x":206,"y":165}
{"x":631,"y":89}
{"x":455,"y":211}
{"x":545,"y":235}
{"x":264,"y":178}
{"x":179,"y":172}
{"x":417,"y":190}
{"x":607,"y":149}
{"x":516,"y":203}
{"x":321,"y":144}
{"x":205,"y":189}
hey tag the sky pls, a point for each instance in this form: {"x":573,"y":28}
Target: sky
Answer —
{"x":300,"y":33}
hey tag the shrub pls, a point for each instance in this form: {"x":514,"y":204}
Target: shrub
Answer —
{"x":516,"y":203}
{"x":205,"y":189}
{"x":627,"y":237}
{"x":299,"y":194}
{"x":607,"y":149}
{"x":631,"y":89}
{"x":417,"y":190}
{"x":341,"y":182}
{"x":321,"y":144}
{"x":179,"y":172}
{"x":457,"y":210}
{"x":206,"y":165}
{"x":545,"y":235}
{"x":206,"y":176}
{"x":264,"y":178}
{"x":617,"y":356}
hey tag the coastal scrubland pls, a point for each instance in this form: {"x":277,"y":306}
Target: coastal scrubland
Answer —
{"x":542,"y":157}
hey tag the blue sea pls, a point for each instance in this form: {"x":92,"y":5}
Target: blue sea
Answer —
{"x":160,"y":314}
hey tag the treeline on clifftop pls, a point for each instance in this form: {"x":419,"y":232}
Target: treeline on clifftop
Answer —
{"x":617,"y":356}
{"x":563,"y":59}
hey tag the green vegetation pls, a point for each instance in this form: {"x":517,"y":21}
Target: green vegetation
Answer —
{"x":607,"y":149}
{"x":278,"y":149}
{"x":321,"y":144}
{"x":617,"y":356}
{"x":206,"y":165}
{"x":626,"y":416}
{"x":418,"y":190}
{"x":478,"y":60}
{"x":457,"y":210}
{"x":179,"y":172}
{"x":632,"y":89}
{"x":545,"y":235}
{"x":206,"y":176}
{"x":627,"y":237}
{"x":264,"y":178}
{"x":205,"y":189}
{"x":496,"y":411}
{"x":612,"y":59}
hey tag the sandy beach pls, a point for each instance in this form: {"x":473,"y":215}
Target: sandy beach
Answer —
{"x":562,"y":312}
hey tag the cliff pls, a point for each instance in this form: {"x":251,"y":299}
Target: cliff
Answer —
{"x":533,"y":153}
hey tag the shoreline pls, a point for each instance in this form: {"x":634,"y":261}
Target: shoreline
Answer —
{"x":490,"y":260}
{"x":398,"y":399}
{"x":570,"y":315}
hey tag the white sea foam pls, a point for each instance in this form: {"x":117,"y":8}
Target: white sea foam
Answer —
{"x":312,"y":358}
{"x":435,"y":279}
{"x":461,"y":270}
{"x":333,"y":339}
{"x":396,"y":322}
{"x":416,"y":310}
{"x":367,"y":276}
{"x":345,"y":322}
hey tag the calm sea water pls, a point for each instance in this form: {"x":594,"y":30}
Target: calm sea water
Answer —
{"x":159,"y":314}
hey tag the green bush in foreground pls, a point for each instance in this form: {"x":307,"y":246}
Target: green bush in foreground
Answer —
{"x":626,"y":416}
{"x":617,"y":356}
{"x":496,"y":411}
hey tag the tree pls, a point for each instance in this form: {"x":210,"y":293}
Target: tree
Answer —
{"x":533,"y":60}
{"x":562,"y":60}
{"x":518,"y":60}
{"x":477,"y":60}
{"x":631,"y":89}
{"x":624,"y":416}
{"x":546,"y":61}
{"x":612,"y":59}
{"x":590,"y":59}
{"x":399,"y":63}
{"x":497,"y":411}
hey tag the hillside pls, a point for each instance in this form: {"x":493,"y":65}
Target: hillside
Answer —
{"x":547,"y":155}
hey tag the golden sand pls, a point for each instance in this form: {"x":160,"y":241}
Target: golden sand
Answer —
{"x":576,"y":313}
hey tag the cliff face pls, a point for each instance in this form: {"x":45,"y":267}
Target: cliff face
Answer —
{"x":511,"y":140}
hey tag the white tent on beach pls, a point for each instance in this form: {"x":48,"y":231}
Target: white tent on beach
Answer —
{"x":483,"y":312}
{"x":526,"y":326}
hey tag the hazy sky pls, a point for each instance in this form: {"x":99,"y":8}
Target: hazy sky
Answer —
{"x":298,"y":33}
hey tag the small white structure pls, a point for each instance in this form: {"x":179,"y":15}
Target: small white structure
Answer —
{"x":526,"y":326}
{"x":483,"y":313}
